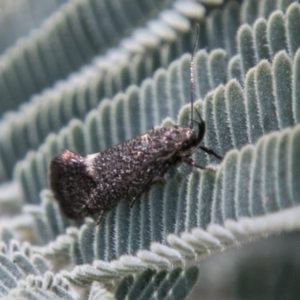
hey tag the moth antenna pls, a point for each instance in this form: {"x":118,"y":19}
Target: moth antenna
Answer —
{"x":199,"y":116}
{"x":192,"y":73}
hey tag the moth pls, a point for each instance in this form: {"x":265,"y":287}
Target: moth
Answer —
{"x":88,"y":184}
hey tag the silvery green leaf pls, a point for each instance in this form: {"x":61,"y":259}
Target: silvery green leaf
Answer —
{"x":85,"y":75}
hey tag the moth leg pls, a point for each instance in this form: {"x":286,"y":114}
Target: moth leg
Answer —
{"x":211,"y":152}
{"x":160,"y":173}
{"x":192,"y":163}
{"x":100,"y":217}
{"x":147,"y":186}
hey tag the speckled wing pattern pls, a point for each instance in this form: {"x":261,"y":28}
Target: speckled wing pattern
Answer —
{"x":130,"y":168}
{"x":85,"y":185}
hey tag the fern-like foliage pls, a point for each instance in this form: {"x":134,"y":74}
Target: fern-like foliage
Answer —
{"x":87,"y":74}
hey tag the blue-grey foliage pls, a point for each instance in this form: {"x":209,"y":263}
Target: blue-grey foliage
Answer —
{"x":87,"y":74}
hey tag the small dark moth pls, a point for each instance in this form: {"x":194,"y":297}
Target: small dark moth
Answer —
{"x":88,"y":184}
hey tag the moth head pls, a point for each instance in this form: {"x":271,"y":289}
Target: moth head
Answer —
{"x":193,"y":138}
{"x":189,"y":142}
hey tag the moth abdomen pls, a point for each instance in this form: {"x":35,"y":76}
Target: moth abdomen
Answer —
{"x":71,"y":184}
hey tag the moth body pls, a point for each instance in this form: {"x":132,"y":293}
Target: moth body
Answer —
{"x":85,"y":185}
{"x":88,"y":184}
